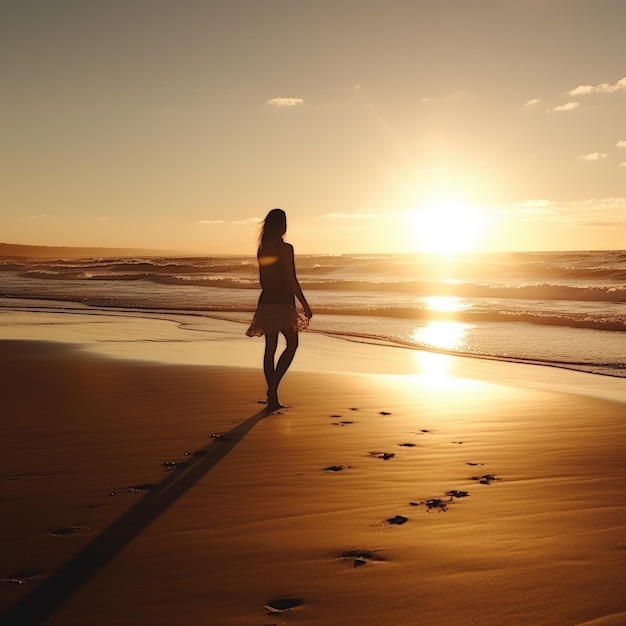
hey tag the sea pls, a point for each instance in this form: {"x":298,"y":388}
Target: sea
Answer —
{"x":559,"y":309}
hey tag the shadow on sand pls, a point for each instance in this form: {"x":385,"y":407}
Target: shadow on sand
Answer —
{"x":46,"y":598}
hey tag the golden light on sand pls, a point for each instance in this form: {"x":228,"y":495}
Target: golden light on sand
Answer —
{"x":447,"y":226}
{"x":441,"y":334}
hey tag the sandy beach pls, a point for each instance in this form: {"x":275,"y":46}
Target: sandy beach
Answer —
{"x":140,"y":490}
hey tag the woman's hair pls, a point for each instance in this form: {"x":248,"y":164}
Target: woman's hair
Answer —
{"x":273,"y":228}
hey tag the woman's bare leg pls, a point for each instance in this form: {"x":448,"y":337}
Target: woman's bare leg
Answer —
{"x":283,"y":364}
{"x":271,"y":343}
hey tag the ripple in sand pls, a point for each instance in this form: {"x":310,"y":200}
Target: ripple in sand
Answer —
{"x":283,"y":604}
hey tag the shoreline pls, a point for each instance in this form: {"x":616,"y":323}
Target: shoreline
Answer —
{"x":175,"y":337}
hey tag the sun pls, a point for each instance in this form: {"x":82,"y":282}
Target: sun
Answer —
{"x":447,"y":226}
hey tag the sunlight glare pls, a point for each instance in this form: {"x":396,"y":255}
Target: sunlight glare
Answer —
{"x":441,"y":334}
{"x":446,"y":226}
{"x":445,"y":304}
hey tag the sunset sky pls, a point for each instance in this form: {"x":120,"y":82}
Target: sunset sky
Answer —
{"x":378,"y":125}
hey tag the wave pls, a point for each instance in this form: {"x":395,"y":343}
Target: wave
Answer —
{"x":418,"y":288}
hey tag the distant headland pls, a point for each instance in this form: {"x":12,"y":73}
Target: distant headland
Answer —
{"x":62,"y":252}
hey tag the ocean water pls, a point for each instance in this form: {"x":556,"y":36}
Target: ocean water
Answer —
{"x":561,"y":309}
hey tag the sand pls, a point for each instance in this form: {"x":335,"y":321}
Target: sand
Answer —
{"x":141,"y":492}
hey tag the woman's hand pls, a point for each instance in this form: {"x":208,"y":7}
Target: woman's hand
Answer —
{"x":307,"y":312}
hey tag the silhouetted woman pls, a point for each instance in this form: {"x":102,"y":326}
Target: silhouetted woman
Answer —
{"x":276,"y":311}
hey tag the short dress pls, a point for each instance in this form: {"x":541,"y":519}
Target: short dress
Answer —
{"x":276,"y":309}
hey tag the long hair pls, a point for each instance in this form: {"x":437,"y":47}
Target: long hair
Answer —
{"x":273,"y":228}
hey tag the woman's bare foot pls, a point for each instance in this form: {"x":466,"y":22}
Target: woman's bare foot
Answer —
{"x":274,"y":406}
{"x":272,"y":403}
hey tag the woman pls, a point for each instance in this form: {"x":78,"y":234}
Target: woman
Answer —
{"x":276,"y":312}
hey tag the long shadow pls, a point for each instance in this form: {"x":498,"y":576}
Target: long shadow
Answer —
{"x":40,"y":603}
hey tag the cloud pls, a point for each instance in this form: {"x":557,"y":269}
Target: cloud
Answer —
{"x":285,"y":102}
{"x":249,"y":220}
{"x":599,"y":203}
{"x":209,"y":222}
{"x":621,"y":144}
{"x":534,"y":208}
{"x":565,"y":107}
{"x":593,"y":156}
{"x":533,"y":101}
{"x":582,"y":90}
{"x":597,"y":212}
{"x":622,"y":164}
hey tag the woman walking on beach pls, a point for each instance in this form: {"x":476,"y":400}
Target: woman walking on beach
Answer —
{"x":276,"y":311}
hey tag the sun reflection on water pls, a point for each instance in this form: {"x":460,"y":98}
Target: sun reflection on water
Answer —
{"x":444,"y":335}
{"x":445,"y":304}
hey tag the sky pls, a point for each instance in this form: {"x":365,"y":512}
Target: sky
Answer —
{"x":377,"y":125}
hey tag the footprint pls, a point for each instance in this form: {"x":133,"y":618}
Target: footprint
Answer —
{"x":22,"y":577}
{"x":432,"y":503}
{"x":485,"y":479}
{"x":144,"y":487}
{"x":361,"y":557}
{"x":455,"y":493}
{"x":385,"y":456}
{"x":283,"y":604}
{"x":333,"y":468}
{"x":67,"y":530}
{"x":384,"y":413}
{"x":398,"y":520}
{"x":407,"y":445}
{"x":172,"y":465}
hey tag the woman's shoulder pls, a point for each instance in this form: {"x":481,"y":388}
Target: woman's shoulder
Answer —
{"x":285,"y":248}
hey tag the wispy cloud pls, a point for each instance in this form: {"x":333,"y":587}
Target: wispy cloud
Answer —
{"x":621,"y":144}
{"x":596,"y":212}
{"x":581,"y":90}
{"x":534,"y":208}
{"x":533,"y":101}
{"x":209,"y":222}
{"x":285,"y":102}
{"x":249,"y":220}
{"x":593,"y":156}
{"x":564,"y":107}
{"x":622,"y":164}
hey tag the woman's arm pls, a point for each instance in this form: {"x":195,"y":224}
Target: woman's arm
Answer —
{"x":287,"y":255}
